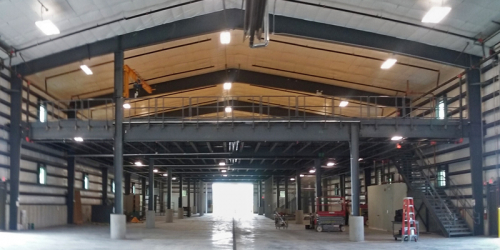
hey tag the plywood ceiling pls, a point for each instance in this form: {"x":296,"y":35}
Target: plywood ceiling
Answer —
{"x":299,"y":58}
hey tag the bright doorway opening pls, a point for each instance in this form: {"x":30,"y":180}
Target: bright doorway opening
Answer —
{"x":233,"y":199}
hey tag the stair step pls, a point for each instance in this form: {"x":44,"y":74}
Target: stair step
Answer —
{"x":458,"y":234}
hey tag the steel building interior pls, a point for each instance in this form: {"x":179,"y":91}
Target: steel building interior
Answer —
{"x":233,"y":124}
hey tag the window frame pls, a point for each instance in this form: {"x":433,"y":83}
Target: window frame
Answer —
{"x":378,"y":176}
{"x":439,"y":109}
{"x":44,"y":106}
{"x":40,"y":167}
{"x":440,"y":182}
{"x":85,"y":176}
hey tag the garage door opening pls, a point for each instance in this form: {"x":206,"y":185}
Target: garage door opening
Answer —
{"x":233,"y":199}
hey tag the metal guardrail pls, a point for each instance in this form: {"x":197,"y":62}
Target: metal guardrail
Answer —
{"x":220,"y":108}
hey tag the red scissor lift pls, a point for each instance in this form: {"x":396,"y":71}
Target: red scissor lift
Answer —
{"x":330,"y":214}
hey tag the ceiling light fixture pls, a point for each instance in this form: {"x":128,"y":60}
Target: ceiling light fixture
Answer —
{"x":138,"y":163}
{"x":330,"y":164}
{"x":312,"y":171}
{"x":360,"y":159}
{"x":86,"y":69}
{"x":47,"y":27}
{"x":225,"y":37}
{"x":396,"y":138}
{"x":155,"y":170}
{"x":222,"y":163}
{"x":292,"y":179}
{"x":126,"y":106}
{"x":223,"y":170}
{"x":436,"y":14}
{"x":301,"y":175}
{"x":78,"y":139}
{"x":227,"y":85}
{"x":173,"y":178}
{"x":228,"y":109}
{"x":165,"y":174}
{"x":388,"y":63}
{"x":225,"y":175}
{"x":343,"y":104}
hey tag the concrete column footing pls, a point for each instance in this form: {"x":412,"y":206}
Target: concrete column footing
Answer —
{"x":356,"y":228}
{"x":299,"y":217}
{"x":118,"y":226}
{"x":150,"y":219}
{"x":180,"y":213}
{"x":169,"y":215}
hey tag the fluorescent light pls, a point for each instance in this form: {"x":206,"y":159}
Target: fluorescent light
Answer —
{"x":330,"y":164}
{"x":312,"y":171}
{"x":228,"y":109}
{"x":173,"y":178}
{"x":360,"y":159}
{"x":155,"y":170}
{"x":138,"y":163}
{"x":126,"y":106}
{"x":343,"y":104}
{"x":227,"y":85}
{"x":225,"y":37}
{"x":388,"y":63}
{"x":165,"y":174}
{"x":436,"y":14}
{"x":222,"y":163}
{"x":79,"y":139}
{"x":396,"y":138}
{"x":86,"y":69}
{"x":225,"y":175}
{"x":301,"y":175}
{"x":223,"y":170}
{"x":292,"y":179}
{"x":47,"y":27}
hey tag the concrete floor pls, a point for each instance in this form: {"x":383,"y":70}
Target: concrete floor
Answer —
{"x":215,"y":232}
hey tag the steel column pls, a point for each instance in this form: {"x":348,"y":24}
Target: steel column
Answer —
{"x":70,"y":199}
{"x":151,"y":196}
{"x":169,"y":189}
{"x":180,"y":192}
{"x":118,"y":153}
{"x":286,"y":192}
{"x":143,"y":190}
{"x":368,"y":182}
{"x":104,"y":186}
{"x":298,"y":190}
{"x":194,"y":194}
{"x":189,"y":197}
{"x":200,"y":203}
{"x":319,"y":192}
{"x":260,"y":194}
{"x":277,"y":193}
{"x":474,"y":104}
{"x":160,"y":196}
{"x":15,"y":148}
{"x":342,"y":185}
{"x":355,"y":169}
{"x":127,"y":183}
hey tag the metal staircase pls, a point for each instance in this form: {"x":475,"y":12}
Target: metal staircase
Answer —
{"x":413,"y":168}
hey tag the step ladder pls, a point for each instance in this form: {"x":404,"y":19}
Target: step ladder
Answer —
{"x":409,"y":229}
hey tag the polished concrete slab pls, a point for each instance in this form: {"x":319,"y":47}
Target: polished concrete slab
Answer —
{"x":216,"y":232}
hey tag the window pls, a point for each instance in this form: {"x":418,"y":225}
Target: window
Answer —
{"x":442,"y":174}
{"x":378,"y":176}
{"x":282,"y":193}
{"x":183,"y":193}
{"x":133,"y":189}
{"x":85,"y":181}
{"x":42,"y":174}
{"x":42,"y":113}
{"x":113,"y":186}
{"x":441,"y":110}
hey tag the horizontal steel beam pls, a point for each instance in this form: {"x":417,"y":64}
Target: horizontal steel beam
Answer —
{"x":248,"y":131}
{"x":233,"y":19}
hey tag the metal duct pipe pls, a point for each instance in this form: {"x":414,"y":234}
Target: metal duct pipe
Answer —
{"x":257,"y":22}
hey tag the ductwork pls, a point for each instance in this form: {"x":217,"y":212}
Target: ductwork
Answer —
{"x":257,"y":23}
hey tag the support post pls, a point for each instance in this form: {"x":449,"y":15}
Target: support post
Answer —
{"x":70,"y":202}
{"x":200,"y":197}
{"x":118,"y":220}
{"x":368,"y":182}
{"x":194,"y":197}
{"x":261,"y":205}
{"x":127,"y":183}
{"x":206,"y":198}
{"x":143,"y":190}
{"x":150,"y":216}
{"x":15,"y":148}
{"x":319,"y":191}
{"x":286,"y":195}
{"x":342,"y":185}
{"x":188,"y":197}
{"x":356,"y":222}
{"x":299,"y":214}
{"x":169,"y":214}
{"x":278,"y":194}
{"x":180,"y":211}
{"x":474,"y":105}
{"x":104,"y":186}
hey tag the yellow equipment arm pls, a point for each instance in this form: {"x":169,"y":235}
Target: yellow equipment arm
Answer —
{"x":129,"y":74}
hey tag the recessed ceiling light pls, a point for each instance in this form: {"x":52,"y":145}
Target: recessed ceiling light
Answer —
{"x":312,"y":171}
{"x":436,"y":14}
{"x":47,"y":27}
{"x":225,"y":37}
{"x":228,"y":109}
{"x":301,"y":175}
{"x":360,"y":159}
{"x":155,"y":170}
{"x":223,"y":170}
{"x":343,"y":104}
{"x":222,"y":163}
{"x":292,"y":179}
{"x":126,"y":106}
{"x":78,"y":139}
{"x":227,"y":85}
{"x":173,"y":178}
{"x":165,"y":174}
{"x":330,"y":164}
{"x":225,"y":175}
{"x":138,"y":163}
{"x":388,"y":63}
{"x":396,"y":138}
{"x":86,"y":69}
